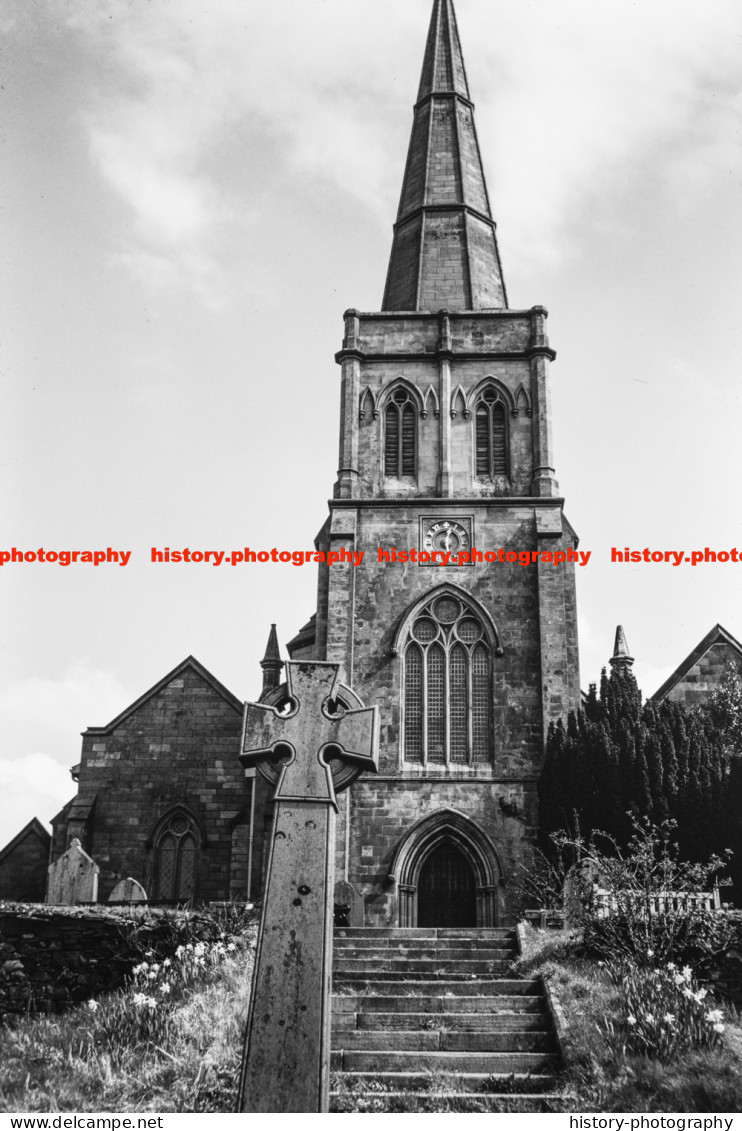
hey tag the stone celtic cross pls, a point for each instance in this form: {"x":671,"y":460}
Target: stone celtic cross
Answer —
{"x":313,"y":744}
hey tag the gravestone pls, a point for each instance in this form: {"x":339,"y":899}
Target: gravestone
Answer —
{"x":73,"y":878}
{"x":128,"y":891}
{"x":316,"y":742}
{"x":348,"y":905}
{"x":578,"y":891}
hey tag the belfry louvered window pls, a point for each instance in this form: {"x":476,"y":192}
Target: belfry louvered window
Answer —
{"x":447,"y":686}
{"x":491,"y":427}
{"x":400,"y":435}
{"x":175,"y":859}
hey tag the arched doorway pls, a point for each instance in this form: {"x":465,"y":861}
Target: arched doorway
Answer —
{"x":446,"y":889}
{"x":447,"y":874}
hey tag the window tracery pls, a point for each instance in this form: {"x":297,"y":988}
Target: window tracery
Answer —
{"x":447,"y":681}
{"x":175,"y":858}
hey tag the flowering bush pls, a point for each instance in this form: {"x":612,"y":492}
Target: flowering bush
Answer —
{"x":192,"y":962}
{"x":678,"y":936}
{"x":641,"y":899}
{"x":141,"y":1013}
{"x":662,"y":1012}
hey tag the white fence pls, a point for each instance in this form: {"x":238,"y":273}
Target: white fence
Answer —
{"x":646,"y":904}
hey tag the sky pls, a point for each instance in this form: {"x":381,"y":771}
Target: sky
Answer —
{"x":197,"y":192}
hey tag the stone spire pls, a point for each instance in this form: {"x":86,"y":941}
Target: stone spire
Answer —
{"x":621,"y":660}
{"x":271,"y":663}
{"x":444,"y":254}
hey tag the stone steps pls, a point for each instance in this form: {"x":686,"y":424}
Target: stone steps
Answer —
{"x":422,"y":1002}
{"x":516,"y":1022}
{"x":397,"y":983}
{"x":411,"y":1060}
{"x":420,"y":1014}
{"x":422,"y":954}
{"x":418,"y":934}
{"x":408,"y":946}
{"x":402,"y":1092}
{"x":442,"y":965}
{"x":465,"y":1083}
{"x":444,"y":1040}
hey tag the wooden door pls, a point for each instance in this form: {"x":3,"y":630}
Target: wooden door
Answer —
{"x":446,"y":892}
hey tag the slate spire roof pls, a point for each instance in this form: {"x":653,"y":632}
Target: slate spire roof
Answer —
{"x":444,"y":254}
{"x":271,"y":662}
{"x":621,"y":660}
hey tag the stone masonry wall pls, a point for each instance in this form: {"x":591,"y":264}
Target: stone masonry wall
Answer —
{"x":706,"y":675}
{"x":384,"y":592}
{"x":383,"y":811}
{"x":445,"y":360}
{"x":180,"y":747}
{"x":405,"y":347}
{"x":53,"y":958}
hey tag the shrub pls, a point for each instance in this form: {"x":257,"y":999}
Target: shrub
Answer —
{"x":674,"y":936}
{"x":540,"y":883}
{"x":621,"y":889}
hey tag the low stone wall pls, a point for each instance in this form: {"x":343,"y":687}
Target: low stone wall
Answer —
{"x":53,"y":957}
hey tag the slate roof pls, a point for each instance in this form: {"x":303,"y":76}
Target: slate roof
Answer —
{"x":444,"y":253}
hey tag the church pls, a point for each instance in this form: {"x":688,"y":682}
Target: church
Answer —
{"x":446,"y":475}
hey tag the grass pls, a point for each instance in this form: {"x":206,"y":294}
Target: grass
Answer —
{"x":433,"y":1092}
{"x":148,"y":1048}
{"x":599,"y":1074}
{"x":142,"y":1049}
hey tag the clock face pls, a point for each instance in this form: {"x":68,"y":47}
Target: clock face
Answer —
{"x":445,"y":534}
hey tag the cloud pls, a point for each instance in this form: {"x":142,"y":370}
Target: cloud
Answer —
{"x":59,"y":709}
{"x":37,"y":782}
{"x":33,"y":786}
{"x":192,"y":105}
{"x":607,"y":101}
{"x":192,"y":270}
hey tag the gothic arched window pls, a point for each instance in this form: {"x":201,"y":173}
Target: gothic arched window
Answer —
{"x":447,"y":686}
{"x":176,"y":848}
{"x":492,"y":440}
{"x":400,"y":435}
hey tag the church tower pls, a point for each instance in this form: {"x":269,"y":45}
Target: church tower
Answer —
{"x":446,"y":484}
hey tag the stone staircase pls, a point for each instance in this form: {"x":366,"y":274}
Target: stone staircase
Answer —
{"x":431,"y":1019}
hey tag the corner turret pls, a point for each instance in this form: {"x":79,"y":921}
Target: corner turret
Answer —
{"x":621,"y":660}
{"x":271,"y":663}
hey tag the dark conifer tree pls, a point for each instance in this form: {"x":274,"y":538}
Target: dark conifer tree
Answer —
{"x":670,"y":769}
{"x":593,"y":708}
{"x":680,"y":741}
{"x":642,"y":798}
{"x":653,"y":755}
{"x":658,"y":760}
{"x":609,"y":814}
